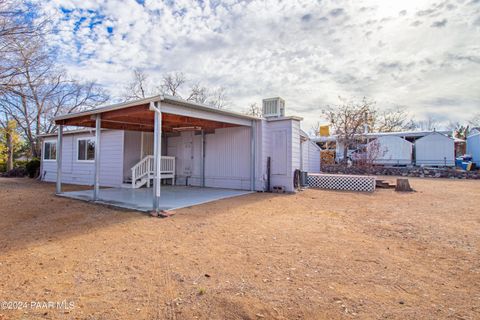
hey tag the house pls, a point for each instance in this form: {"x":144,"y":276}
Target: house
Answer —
{"x":473,"y":146}
{"x":435,"y":149}
{"x":187,"y":144}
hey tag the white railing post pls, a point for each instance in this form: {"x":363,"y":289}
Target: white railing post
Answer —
{"x":133,"y":177}
{"x":146,"y":167}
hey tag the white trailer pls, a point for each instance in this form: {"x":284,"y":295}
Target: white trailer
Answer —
{"x":390,"y":150}
{"x":435,"y":149}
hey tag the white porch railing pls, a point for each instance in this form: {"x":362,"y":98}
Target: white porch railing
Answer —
{"x":143,"y":171}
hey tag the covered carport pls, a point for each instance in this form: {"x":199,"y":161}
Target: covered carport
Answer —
{"x":160,"y":115}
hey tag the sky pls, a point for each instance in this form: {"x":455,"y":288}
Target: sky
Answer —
{"x":421,"y":54}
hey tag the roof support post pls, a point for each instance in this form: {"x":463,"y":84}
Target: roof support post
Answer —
{"x":59,"y":159}
{"x":202,"y":156}
{"x":252,"y":155}
{"x":96,"y":184}
{"x":157,"y":154}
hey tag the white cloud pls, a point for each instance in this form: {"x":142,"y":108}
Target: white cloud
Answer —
{"x":421,"y":54}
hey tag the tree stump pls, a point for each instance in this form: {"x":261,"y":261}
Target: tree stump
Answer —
{"x":403,"y":185}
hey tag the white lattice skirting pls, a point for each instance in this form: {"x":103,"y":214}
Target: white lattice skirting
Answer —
{"x":342,"y":182}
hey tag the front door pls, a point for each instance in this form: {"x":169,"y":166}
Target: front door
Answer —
{"x":188,"y":154}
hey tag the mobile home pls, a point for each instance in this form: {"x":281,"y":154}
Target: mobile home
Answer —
{"x":187,"y":144}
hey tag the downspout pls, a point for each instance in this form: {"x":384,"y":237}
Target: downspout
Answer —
{"x":157,"y":138}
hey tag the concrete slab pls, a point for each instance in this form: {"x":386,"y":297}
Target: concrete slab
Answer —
{"x":172,"y":197}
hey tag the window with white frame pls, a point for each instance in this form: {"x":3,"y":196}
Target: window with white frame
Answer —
{"x":85,"y":149}
{"x":50,"y":150}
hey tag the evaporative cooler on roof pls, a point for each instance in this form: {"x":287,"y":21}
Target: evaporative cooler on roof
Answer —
{"x":273,"y":107}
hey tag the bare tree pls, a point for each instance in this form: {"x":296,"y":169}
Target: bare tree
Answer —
{"x":198,"y":94}
{"x":138,"y":87}
{"x":348,"y":119}
{"x":428,"y":124}
{"x":254,"y":110}
{"x":41,"y":91}
{"x":392,"y":120}
{"x":218,"y":98}
{"x":315,"y":129}
{"x":172,"y":82}
{"x":475,"y":122}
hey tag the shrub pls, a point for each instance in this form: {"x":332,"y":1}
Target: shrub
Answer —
{"x":20,"y":163}
{"x":3,"y":167}
{"x":16,"y":172}
{"x":33,"y":167}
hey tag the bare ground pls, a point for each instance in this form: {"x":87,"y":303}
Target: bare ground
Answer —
{"x":312,"y":255}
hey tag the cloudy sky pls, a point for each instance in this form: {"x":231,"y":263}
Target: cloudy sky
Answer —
{"x":417,"y":53}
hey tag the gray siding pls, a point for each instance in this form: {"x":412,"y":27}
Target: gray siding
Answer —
{"x":288,"y":156}
{"x":131,"y":155}
{"x":78,"y":172}
{"x":227,"y":158}
{"x":313,"y":157}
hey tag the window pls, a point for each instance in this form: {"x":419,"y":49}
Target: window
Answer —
{"x":50,"y":150}
{"x":86,"y":150}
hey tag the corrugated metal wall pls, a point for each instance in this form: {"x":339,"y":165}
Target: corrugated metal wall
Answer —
{"x":227,"y":158}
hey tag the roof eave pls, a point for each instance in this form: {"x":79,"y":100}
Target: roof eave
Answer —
{"x":168,"y":99}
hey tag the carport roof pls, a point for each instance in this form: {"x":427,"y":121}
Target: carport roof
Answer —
{"x":136,"y":115}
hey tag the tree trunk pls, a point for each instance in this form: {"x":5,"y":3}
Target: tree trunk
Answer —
{"x":9,"y":150}
{"x":403,"y":185}
{"x":345,"y":153}
{"x":33,"y":147}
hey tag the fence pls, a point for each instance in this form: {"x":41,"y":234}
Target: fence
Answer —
{"x":342,"y":182}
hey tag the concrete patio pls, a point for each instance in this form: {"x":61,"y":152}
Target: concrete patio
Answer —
{"x":172,"y":197}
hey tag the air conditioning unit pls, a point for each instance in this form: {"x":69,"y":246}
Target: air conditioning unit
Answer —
{"x":273,"y":107}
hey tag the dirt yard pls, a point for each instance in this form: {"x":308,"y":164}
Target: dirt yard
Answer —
{"x":312,"y":255}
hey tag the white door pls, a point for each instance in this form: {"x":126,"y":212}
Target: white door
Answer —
{"x":188,"y":154}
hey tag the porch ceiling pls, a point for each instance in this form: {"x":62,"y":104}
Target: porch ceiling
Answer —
{"x":141,"y":118}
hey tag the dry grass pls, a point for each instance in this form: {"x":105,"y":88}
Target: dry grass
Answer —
{"x":316,"y":254}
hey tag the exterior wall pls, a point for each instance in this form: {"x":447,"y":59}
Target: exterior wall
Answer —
{"x":310,"y":157}
{"x":435,"y":149}
{"x":132,"y":147}
{"x":80,"y":172}
{"x":281,"y":142}
{"x":473,"y":147}
{"x":391,"y":150}
{"x":227,"y":158}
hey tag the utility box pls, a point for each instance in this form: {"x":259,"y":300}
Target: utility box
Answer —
{"x":303,"y":179}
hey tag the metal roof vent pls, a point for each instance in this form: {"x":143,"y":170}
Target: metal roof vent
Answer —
{"x":273,"y":107}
